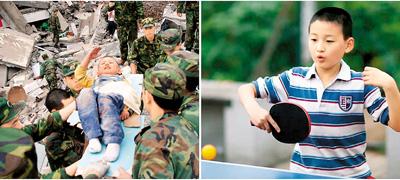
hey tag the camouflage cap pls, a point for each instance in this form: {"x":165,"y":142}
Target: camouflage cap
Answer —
{"x":165,"y":81}
{"x":18,"y":155}
{"x":8,"y":111}
{"x":187,"y":61}
{"x":148,"y":22}
{"x":170,"y":38}
{"x":69,"y":67}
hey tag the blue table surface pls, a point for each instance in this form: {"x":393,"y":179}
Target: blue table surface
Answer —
{"x":126,"y":155}
{"x":222,"y":170}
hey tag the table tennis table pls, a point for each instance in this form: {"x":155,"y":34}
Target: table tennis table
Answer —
{"x":223,"y":170}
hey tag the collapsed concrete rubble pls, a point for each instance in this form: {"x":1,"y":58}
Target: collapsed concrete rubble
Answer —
{"x":25,"y":38}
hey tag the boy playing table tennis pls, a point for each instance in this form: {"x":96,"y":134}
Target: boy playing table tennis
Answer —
{"x":334,"y":96}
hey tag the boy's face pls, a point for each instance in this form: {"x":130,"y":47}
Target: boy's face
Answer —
{"x":108,"y":66}
{"x":327,"y":45}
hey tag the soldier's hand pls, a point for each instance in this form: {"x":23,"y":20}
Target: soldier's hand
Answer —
{"x":179,"y":14}
{"x":123,"y":174}
{"x":94,"y":53}
{"x":71,"y":169}
{"x":96,"y":169}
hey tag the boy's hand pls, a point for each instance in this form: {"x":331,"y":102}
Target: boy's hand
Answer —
{"x":262,"y":119}
{"x":93,"y":53}
{"x":375,"y":77}
{"x":125,"y":114}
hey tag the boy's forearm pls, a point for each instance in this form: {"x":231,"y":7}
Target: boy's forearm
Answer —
{"x":247,"y":95}
{"x":85,"y":62}
{"x":393,"y":100}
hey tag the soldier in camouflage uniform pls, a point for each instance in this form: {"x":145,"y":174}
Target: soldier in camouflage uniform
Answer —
{"x":54,"y":25}
{"x":169,"y":147}
{"x":69,"y":77}
{"x":19,"y":160}
{"x":145,"y":51}
{"x":18,"y":157}
{"x":127,"y":13}
{"x":48,"y":69}
{"x":65,"y":147}
{"x":188,"y":62}
{"x":17,"y":145}
{"x":191,"y":9}
{"x":170,"y":42}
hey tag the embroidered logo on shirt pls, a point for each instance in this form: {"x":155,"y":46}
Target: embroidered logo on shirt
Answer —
{"x":345,"y":102}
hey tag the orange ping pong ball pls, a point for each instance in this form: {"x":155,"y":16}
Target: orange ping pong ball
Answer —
{"x":209,"y":152}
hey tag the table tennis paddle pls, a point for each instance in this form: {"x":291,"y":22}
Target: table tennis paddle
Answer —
{"x":293,"y":121}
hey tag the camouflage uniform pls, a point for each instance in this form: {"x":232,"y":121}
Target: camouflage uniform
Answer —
{"x":126,"y":15}
{"x":191,"y":9}
{"x":169,"y":147}
{"x":54,"y":25}
{"x":65,"y":147}
{"x":188,"y":62}
{"x":17,"y":151}
{"x":48,"y":69}
{"x":170,"y":38}
{"x":144,"y":53}
{"x":18,"y":157}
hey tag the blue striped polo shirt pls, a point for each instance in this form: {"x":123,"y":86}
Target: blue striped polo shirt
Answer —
{"x":337,"y":141}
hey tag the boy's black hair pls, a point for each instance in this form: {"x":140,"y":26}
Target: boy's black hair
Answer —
{"x":54,"y":98}
{"x":192,"y":83}
{"x":167,"y":104}
{"x":337,"y":15}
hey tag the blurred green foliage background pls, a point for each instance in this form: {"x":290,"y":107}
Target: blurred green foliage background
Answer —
{"x":234,"y":36}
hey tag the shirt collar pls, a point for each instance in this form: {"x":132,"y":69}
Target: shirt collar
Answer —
{"x":344,"y":73}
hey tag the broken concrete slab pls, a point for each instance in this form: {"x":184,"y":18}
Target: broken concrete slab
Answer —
{"x":27,"y":10}
{"x":171,"y":15}
{"x":110,"y":49}
{"x":63,"y":22}
{"x":85,"y":31}
{"x":11,"y":14}
{"x":85,"y":19}
{"x":11,"y":72}
{"x":69,"y":2}
{"x":96,"y":18}
{"x":68,"y":52}
{"x":36,"y":93}
{"x":36,"y":70}
{"x":37,"y":16}
{"x":35,"y":4}
{"x":75,"y":46}
{"x":19,"y":79}
{"x":15,"y":48}
{"x":74,"y":29}
{"x":3,"y":75}
{"x":31,"y":87}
